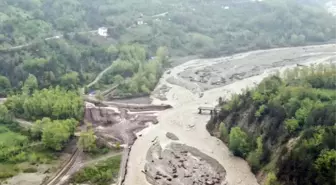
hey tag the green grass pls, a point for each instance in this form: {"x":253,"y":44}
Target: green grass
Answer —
{"x":100,"y":174}
{"x":8,"y":170}
{"x":99,"y":151}
{"x":19,"y":154}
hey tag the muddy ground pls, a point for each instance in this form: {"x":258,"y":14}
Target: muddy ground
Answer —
{"x":180,"y":164}
{"x":227,"y":70}
{"x":201,"y":82}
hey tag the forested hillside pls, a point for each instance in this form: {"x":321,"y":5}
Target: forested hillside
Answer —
{"x":285,"y":127}
{"x":201,"y":25}
{"x":190,"y":27}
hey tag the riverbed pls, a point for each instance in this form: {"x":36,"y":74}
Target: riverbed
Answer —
{"x":201,"y":82}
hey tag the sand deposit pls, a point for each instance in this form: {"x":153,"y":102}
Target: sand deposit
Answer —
{"x":213,"y":78}
{"x":179,"y":164}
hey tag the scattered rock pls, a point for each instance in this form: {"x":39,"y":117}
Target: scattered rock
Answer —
{"x":177,"y":168}
{"x":172,"y":136}
{"x":190,"y":126}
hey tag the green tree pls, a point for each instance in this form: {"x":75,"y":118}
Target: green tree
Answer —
{"x":326,"y":167}
{"x":56,"y":133}
{"x":291,"y":125}
{"x":254,"y":157}
{"x":30,"y":84}
{"x":260,"y":111}
{"x":224,"y":133}
{"x":70,"y":80}
{"x":162,"y":55}
{"x":54,"y":136}
{"x":5,"y":86}
{"x":4,"y":114}
{"x":271,"y":179}
{"x":238,"y":142}
{"x":99,"y":96}
{"x":87,"y":141}
{"x":37,"y":128}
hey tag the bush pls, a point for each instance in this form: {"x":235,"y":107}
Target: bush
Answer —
{"x":238,"y":142}
{"x":29,"y":170}
{"x":100,"y":174}
{"x":325,"y":165}
{"x":7,"y":174}
{"x":7,"y":171}
{"x":260,"y":111}
{"x":224,"y":133}
{"x":255,"y":156}
{"x":291,"y":125}
{"x":271,"y":179}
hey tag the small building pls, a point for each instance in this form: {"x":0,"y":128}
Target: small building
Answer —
{"x":140,"y":21}
{"x":102,"y":31}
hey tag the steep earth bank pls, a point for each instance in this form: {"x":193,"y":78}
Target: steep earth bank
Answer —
{"x":186,"y":94}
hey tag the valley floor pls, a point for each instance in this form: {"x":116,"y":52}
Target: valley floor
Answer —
{"x":186,"y":94}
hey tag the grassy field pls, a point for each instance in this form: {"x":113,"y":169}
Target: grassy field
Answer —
{"x":20,"y":154}
{"x":102,"y":173}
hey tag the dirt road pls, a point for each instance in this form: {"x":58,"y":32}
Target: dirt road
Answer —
{"x":46,"y":39}
{"x":183,"y":95}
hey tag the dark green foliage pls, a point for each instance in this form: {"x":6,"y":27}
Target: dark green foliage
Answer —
{"x":5,"y":86}
{"x":67,"y":63}
{"x":16,"y":147}
{"x":189,"y":28}
{"x":295,"y":116}
{"x":238,"y":143}
{"x":87,"y":141}
{"x":56,"y":133}
{"x":133,"y":72}
{"x":314,"y":156}
{"x":101,"y":174}
{"x":254,"y":157}
{"x":54,"y":103}
{"x":325,"y":165}
{"x":29,"y":170}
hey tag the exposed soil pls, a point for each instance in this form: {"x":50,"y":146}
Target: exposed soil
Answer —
{"x":180,"y":164}
{"x":195,"y":83}
{"x":172,"y":136}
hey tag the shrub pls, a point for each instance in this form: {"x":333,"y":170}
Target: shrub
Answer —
{"x":254,"y":157}
{"x":271,"y":179}
{"x":118,"y":145}
{"x":29,"y":170}
{"x":291,"y":125}
{"x":100,"y":174}
{"x":6,"y":174}
{"x":258,"y":98}
{"x":325,"y":165}
{"x":260,"y":111}
{"x":238,"y":142}
{"x":224,"y":133}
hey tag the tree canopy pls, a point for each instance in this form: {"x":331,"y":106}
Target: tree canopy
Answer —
{"x":289,"y":127}
{"x":54,"y":103}
{"x":55,"y":45}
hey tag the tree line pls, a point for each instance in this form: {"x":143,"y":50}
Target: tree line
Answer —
{"x":289,"y":130}
{"x":190,"y":27}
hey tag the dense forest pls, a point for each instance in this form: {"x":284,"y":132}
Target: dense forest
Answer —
{"x":49,"y":49}
{"x":54,"y":114}
{"x":205,"y":28}
{"x":285,"y":127}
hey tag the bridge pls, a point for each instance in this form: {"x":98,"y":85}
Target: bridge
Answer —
{"x":211,"y":109}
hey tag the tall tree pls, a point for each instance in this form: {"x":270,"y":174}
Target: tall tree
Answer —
{"x":30,"y":84}
{"x":87,"y":140}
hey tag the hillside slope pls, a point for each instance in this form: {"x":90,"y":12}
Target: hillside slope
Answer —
{"x":285,"y":127}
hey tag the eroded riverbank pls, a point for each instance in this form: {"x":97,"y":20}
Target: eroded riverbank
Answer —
{"x":184,"y":95}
